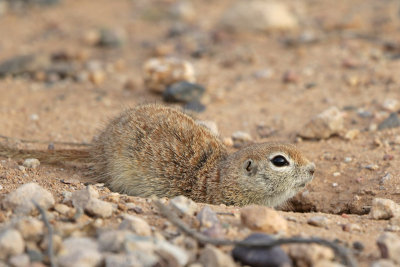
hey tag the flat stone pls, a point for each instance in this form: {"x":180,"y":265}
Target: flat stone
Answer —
{"x":261,"y":218}
{"x":21,"y":199}
{"x":79,"y":251}
{"x":261,"y":257}
{"x":99,"y":208}
{"x":319,"y":221}
{"x":11,"y":244}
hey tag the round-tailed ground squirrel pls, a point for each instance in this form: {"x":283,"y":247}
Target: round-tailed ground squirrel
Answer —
{"x":156,"y":150}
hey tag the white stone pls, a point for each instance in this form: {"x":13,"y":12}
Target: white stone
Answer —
{"x":175,"y":256}
{"x":11,"y":244}
{"x":79,"y":252}
{"x":21,"y":260}
{"x":21,"y":200}
{"x":136,"y":225}
{"x":183,"y":205}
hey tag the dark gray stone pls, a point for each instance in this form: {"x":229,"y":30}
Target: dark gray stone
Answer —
{"x":183,"y":92}
{"x":392,"y":121}
{"x":261,"y":257}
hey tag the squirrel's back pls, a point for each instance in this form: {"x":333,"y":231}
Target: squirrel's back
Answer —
{"x":157,"y":150}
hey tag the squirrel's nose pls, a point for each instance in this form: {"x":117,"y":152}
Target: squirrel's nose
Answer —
{"x":311,"y":168}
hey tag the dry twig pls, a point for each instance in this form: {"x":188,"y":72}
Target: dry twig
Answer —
{"x":50,"y":250}
{"x":339,"y":250}
{"x":44,"y":142}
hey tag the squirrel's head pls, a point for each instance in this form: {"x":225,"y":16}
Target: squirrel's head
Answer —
{"x":266,"y":174}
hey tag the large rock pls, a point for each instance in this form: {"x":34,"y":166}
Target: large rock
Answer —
{"x":21,"y":200}
{"x":384,"y":209}
{"x":257,"y":15}
{"x":324,"y":125}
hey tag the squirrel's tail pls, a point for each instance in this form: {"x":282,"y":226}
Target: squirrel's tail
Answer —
{"x":47,"y":156}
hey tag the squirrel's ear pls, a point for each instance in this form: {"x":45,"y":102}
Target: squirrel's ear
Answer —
{"x":250,"y":166}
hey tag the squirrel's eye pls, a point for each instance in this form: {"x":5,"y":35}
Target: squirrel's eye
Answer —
{"x":279,"y":161}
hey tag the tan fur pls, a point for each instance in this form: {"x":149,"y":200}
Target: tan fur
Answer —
{"x":156,"y":150}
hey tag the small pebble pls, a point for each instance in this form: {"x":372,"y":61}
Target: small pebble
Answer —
{"x":347,"y":159}
{"x":31,"y":163}
{"x":351,"y":227}
{"x":372,"y":167}
{"x":357,"y":245}
{"x":319,"y":221}
{"x":290,"y":77}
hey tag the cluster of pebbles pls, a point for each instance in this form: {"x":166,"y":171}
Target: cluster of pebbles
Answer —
{"x":96,"y":227}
